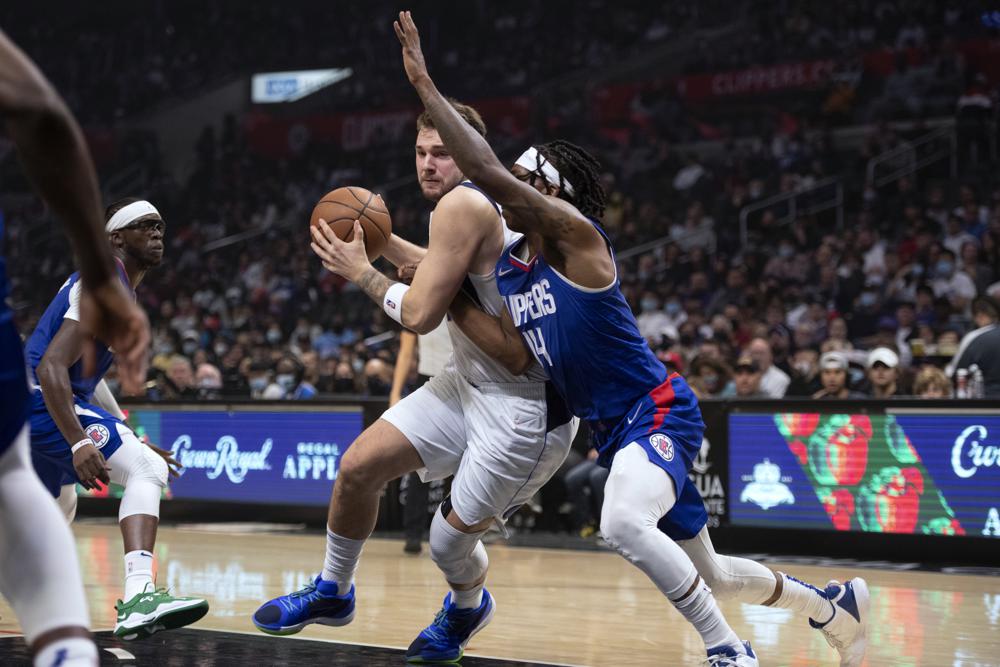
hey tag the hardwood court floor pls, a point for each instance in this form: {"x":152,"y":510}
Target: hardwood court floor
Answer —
{"x":559,"y":606}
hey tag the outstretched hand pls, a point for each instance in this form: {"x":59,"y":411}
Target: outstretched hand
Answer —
{"x":413,"y":57}
{"x":347,"y":259}
{"x":173,"y":465}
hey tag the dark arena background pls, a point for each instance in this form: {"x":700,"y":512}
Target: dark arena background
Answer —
{"x":804,"y":201}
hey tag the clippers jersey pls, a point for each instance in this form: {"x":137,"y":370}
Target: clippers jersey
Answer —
{"x":587,"y":340}
{"x":475,"y":365}
{"x":66,"y":305}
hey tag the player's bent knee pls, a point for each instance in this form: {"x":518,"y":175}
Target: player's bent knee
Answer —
{"x":159,"y":469}
{"x":460,"y":556}
{"x":358,"y":472}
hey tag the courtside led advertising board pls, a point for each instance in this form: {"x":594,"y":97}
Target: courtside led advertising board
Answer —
{"x":932,"y":472}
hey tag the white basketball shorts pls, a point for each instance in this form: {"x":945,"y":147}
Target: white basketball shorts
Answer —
{"x":501,"y":441}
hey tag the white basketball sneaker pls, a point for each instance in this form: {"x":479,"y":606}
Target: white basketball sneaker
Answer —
{"x":728,"y":656}
{"x":847,"y":631}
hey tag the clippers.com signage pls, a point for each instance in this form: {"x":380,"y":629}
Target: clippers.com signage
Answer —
{"x":932,"y":474}
{"x":256,"y":457}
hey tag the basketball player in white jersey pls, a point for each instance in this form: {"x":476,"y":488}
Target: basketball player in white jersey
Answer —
{"x":501,"y":434}
{"x":39,"y":573}
{"x":433,"y":353}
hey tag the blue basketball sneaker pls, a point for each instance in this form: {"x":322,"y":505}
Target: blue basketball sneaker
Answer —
{"x":444,"y":640}
{"x":728,"y":656}
{"x":847,"y":631}
{"x":318,"y":602}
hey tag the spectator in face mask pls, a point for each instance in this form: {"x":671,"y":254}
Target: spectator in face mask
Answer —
{"x":953,"y":285}
{"x":289,"y":382}
{"x":258,"y":378}
{"x":805,"y":373}
{"x":189,"y":343}
{"x":208,"y":379}
{"x":712,"y":373}
{"x":653,"y":321}
{"x":378,"y":377}
{"x":344,"y":379}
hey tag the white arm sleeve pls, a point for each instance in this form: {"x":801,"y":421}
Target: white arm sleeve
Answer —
{"x":106,"y":400}
{"x":73,"y":312}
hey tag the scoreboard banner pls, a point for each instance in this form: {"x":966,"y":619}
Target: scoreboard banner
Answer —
{"x":932,"y":472}
{"x":270,"y":456}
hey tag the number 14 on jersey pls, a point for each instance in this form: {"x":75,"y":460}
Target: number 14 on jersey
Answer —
{"x":537,"y":344}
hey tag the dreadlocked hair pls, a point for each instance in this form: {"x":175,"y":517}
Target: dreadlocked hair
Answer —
{"x":581,"y":170}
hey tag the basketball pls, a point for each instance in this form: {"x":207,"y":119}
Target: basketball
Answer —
{"x":341,"y":207}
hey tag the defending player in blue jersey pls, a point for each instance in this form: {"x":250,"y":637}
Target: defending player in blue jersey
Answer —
{"x":561,"y":288}
{"x":78,"y":432}
{"x":39,"y":574}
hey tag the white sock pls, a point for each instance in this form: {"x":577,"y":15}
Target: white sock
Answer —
{"x":701,"y":610}
{"x":342,"y":556}
{"x":804,"y":598}
{"x":138,"y":573}
{"x":469,"y":599}
{"x":68,"y":652}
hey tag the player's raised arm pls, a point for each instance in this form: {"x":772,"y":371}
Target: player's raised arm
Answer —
{"x":532,"y":210}
{"x":57,"y":161}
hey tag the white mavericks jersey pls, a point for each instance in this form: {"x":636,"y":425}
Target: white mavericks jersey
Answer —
{"x":475,"y":365}
{"x":434,"y":351}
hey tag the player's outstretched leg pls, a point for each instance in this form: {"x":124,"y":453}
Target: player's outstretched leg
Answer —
{"x":840,"y":611}
{"x":469,"y":607}
{"x":381,"y":453}
{"x":144,"y":609}
{"x":637,"y":495}
{"x":39,"y":574}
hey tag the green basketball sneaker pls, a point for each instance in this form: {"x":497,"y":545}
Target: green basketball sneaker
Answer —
{"x":154,"y":610}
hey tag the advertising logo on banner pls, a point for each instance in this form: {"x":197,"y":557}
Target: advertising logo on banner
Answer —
{"x":933,"y":475}
{"x":708,"y":469}
{"x":268,"y":457}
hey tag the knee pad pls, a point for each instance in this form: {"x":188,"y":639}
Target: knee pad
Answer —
{"x":67,"y":502}
{"x":142,"y":472}
{"x":460,"y":556}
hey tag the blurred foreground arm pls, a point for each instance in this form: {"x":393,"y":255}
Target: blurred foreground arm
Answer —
{"x":56,"y":159}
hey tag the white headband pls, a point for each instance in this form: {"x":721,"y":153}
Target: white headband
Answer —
{"x":129,"y":214}
{"x":535,"y":162}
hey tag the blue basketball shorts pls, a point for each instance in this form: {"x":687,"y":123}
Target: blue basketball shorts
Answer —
{"x":667,"y":424}
{"x":52,"y":455}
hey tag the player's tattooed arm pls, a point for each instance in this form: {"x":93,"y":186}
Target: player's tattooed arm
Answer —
{"x":496,"y":336}
{"x":373,"y":283}
{"x":532,"y":211}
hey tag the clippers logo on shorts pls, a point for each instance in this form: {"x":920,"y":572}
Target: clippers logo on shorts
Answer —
{"x":663,"y":446}
{"x":99,"y":435}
